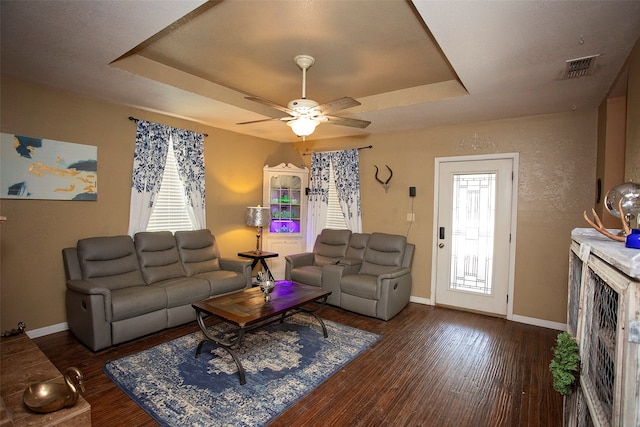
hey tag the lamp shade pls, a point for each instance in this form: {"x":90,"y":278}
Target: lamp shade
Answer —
{"x":258,"y":216}
{"x":303,"y":126}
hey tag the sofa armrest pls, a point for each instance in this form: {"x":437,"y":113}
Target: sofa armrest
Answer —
{"x":87,"y":288}
{"x":299,"y":260}
{"x":350,"y":262}
{"x":394,"y":290}
{"x":332,"y":275}
{"x":394,"y":274}
{"x":242,"y":266}
{"x":235,"y":264}
{"x":296,"y":260}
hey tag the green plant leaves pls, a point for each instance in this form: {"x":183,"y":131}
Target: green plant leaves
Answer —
{"x":565,"y":363}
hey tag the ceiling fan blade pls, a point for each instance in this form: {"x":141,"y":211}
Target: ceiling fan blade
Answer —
{"x":268,"y":103}
{"x":337,"y":105}
{"x":255,"y":121}
{"x":346,"y":121}
{"x":282,"y":119}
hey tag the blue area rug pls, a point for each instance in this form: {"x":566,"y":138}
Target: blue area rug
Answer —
{"x":283,"y":362}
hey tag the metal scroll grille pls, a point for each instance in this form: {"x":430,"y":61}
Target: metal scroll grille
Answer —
{"x":601,"y":349}
{"x":575,"y":275}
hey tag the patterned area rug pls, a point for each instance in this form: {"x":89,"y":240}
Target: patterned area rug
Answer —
{"x":283,"y":362}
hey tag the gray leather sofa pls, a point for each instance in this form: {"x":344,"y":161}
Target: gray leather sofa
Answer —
{"x":369,"y":274}
{"x":119,"y":288}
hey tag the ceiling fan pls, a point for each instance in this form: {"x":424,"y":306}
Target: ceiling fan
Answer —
{"x":305,"y":114}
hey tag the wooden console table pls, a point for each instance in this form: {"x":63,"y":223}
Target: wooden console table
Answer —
{"x":22,"y":364}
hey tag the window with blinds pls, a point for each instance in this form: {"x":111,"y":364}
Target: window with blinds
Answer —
{"x":170,"y":212}
{"x":335,"y":217}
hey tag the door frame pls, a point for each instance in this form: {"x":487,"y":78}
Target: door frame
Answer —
{"x":515,"y":158}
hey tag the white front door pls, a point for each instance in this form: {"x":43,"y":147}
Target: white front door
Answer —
{"x":473,"y":233}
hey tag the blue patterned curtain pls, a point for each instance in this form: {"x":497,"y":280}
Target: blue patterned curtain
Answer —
{"x":347,"y":181}
{"x":149,"y":159}
{"x":318,"y":196}
{"x":346,"y":168}
{"x":188,"y":148}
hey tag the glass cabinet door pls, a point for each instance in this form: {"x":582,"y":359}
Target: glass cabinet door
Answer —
{"x":285,"y":197}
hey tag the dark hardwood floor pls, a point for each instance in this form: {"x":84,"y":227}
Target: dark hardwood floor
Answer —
{"x":432,"y":367}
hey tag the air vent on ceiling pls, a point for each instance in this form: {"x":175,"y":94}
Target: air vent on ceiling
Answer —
{"x":579,"y":67}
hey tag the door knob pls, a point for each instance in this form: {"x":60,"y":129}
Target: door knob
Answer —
{"x":441,"y":245}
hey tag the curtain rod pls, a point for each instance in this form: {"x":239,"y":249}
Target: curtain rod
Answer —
{"x":133,"y":119}
{"x":359,"y":148}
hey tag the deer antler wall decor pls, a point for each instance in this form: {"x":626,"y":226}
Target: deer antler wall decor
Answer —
{"x":597,"y":224}
{"x":385,"y":184}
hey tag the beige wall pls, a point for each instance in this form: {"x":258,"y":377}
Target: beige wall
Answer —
{"x":556,"y":183}
{"x":557,"y":172}
{"x":32,"y":282}
{"x":632,"y":163}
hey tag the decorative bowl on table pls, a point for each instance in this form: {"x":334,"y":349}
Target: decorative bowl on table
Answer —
{"x":47,"y":397}
{"x":267,"y":286}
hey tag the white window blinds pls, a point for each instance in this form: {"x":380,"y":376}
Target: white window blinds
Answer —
{"x":335,"y":217}
{"x":169,"y":211}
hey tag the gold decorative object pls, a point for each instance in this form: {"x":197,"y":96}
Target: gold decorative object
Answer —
{"x":597,"y":224}
{"x":49,"y":397}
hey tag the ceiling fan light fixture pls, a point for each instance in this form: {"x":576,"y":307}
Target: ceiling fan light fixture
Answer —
{"x":303,"y":126}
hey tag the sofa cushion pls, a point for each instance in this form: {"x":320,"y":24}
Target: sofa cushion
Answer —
{"x":384,"y":253}
{"x":137,"y":300}
{"x":330,"y":246}
{"x":184,"y":290}
{"x":224,"y":281}
{"x":360,"y":285}
{"x":158,"y":256}
{"x":198,"y":251}
{"x":357,"y":245}
{"x":109,"y":262}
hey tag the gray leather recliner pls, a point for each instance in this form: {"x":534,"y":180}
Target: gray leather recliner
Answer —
{"x":372,"y":278}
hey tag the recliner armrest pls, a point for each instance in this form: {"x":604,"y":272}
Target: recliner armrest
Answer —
{"x":350,"y":261}
{"x":241,"y":266}
{"x":88,"y":288}
{"x":394,"y":273}
{"x":299,"y":260}
{"x":332,"y":275}
{"x":237,"y":265}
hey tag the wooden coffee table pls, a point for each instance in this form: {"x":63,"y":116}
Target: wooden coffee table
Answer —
{"x":247,"y":310}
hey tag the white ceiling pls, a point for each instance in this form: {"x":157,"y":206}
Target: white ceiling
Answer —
{"x":411,"y":64}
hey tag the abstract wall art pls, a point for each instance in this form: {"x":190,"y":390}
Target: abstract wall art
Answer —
{"x":38,"y":168}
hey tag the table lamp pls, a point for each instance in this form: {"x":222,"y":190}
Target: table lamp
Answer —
{"x":258,"y":216}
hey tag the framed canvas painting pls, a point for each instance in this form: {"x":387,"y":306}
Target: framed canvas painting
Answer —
{"x":38,"y":168}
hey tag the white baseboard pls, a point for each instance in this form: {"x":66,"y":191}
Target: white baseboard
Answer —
{"x":419,"y":300}
{"x":539,"y":322}
{"x":516,"y":318}
{"x":36,"y":333}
